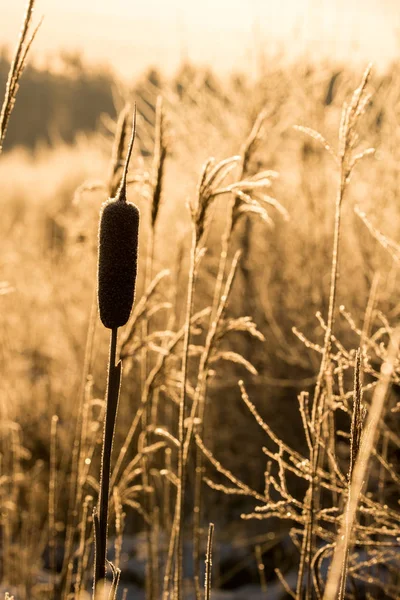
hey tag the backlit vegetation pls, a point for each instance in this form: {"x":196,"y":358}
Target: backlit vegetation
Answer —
{"x":257,"y":428}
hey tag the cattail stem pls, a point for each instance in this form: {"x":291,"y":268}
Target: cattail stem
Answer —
{"x":113,"y":384}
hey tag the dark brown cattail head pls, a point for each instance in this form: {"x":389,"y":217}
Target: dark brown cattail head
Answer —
{"x":118,"y":254}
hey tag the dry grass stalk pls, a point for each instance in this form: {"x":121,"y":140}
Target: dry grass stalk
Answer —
{"x":207,"y":191}
{"x":16,"y":69}
{"x":207,"y":580}
{"x":159,"y":156}
{"x":178,"y":525}
{"x":113,"y":181}
{"x":260,"y":567}
{"x":83,"y":549}
{"x":199,"y":407}
{"x":355,"y":438}
{"x":346,"y":160}
{"x":210,"y":187}
{"x":390,"y":245}
{"x":118,"y":150}
{"x":247,"y":197}
{"x":360,"y":468}
{"x":238,"y":206}
{"x":151,"y":383}
{"x":52,"y":499}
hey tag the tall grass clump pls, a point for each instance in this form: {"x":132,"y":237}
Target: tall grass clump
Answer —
{"x":346,"y":159}
{"x":339,"y":510}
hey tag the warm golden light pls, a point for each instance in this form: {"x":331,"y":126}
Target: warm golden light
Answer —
{"x":225,"y":33}
{"x":199,"y":300}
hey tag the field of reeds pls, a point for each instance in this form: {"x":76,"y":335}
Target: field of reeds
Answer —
{"x":227,"y":424}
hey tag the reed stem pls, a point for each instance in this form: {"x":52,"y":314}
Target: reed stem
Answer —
{"x":182,"y":413}
{"x":207,"y":582}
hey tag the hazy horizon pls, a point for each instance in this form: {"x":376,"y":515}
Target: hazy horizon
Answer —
{"x":224,"y":33}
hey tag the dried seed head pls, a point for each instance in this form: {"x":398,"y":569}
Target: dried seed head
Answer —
{"x":118,"y":253}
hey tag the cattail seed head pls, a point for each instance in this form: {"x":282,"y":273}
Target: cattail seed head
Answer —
{"x":118,"y":254}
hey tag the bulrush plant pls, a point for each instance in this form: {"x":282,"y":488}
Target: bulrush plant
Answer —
{"x":117,"y":270}
{"x":84,"y":442}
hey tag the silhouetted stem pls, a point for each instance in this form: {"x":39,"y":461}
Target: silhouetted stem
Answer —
{"x":113,"y":384}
